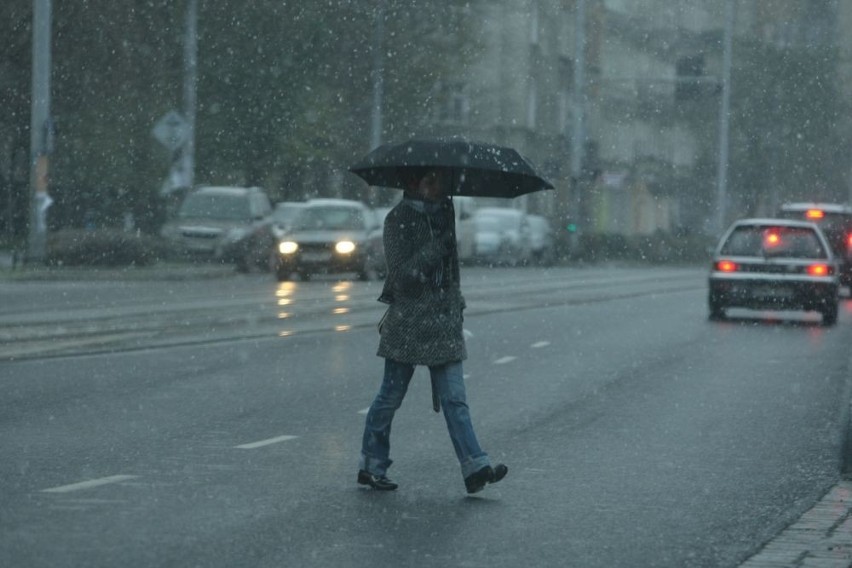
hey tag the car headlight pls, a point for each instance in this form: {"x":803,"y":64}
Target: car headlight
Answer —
{"x":287,"y":247}
{"x":345,"y":247}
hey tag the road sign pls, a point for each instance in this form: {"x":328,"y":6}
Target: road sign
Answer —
{"x":171,"y":130}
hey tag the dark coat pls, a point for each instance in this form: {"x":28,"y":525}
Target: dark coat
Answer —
{"x":423,"y":325}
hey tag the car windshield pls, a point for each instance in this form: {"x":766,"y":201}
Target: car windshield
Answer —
{"x":776,"y":241}
{"x":329,"y":219}
{"x":286,"y":214}
{"x":836,"y":229}
{"x":487,"y":223}
{"x":503,"y":219}
{"x":214,"y":206}
{"x":835,"y":226}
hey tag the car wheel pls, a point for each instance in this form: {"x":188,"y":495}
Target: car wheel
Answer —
{"x":244,"y":264}
{"x":829,"y":314}
{"x":717,"y":311}
{"x":261,"y":263}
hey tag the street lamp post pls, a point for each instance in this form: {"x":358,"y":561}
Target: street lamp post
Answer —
{"x":41,"y":132}
{"x":724,"y":118}
{"x":378,"y":76}
{"x":578,"y":134}
{"x":378,"y":79}
{"x":190,"y":58}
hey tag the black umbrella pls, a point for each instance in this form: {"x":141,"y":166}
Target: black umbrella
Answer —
{"x":477,"y":169}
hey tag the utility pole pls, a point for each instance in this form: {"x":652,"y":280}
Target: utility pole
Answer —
{"x":370,"y":195}
{"x":724,"y":118}
{"x":41,"y":132}
{"x":578,"y":134}
{"x":378,"y":76}
{"x":190,"y":81}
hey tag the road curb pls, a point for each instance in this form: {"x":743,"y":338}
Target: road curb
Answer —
{"x":133,"y":273}
{"x":821,"y":537}
{"x":846,"y":457}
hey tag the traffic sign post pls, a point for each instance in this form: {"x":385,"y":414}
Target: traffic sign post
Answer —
{"x":172,"y":131}
{"x":41,"y":131}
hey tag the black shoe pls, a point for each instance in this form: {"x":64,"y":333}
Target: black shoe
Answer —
{"x":476,"y":482}
{"x":378,"y":482}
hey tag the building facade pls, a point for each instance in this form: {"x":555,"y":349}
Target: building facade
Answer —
{"x":651,"y":103}
{"x":636,"y":145}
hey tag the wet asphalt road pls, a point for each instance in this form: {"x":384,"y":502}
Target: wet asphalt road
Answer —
{"x":218,"y":423}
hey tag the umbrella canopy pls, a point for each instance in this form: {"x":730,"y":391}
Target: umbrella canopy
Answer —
{"x":476,"y":169}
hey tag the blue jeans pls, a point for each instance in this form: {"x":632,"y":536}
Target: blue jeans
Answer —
{"x":449,"y":382}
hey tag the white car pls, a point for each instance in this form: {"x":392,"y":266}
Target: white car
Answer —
{"x":502,"y":236}
{"x":774,"y":264}
{"x":542,"y":242}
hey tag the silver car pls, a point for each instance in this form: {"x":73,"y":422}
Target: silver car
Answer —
{"x":331,"y":236}
{"x":502,"y":236}
{"x":226,"y":224}
{"x":774,"y":264}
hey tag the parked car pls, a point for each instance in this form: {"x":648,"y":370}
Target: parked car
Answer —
{"x":774,"y":264}
{"x":486,"y":240}
{"x":376,"y":237}
{"x":835,"y":220}
{"x":542,"y":242}
{"x":465,"y":207}
{"x":226,"y":224}
{"x":381,"y":214}
{"x":331,"y":236}
{"x":502,"y":236}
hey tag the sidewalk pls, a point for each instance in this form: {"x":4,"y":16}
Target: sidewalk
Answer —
{"x":821,"y":538}
{"x":10,"y":271}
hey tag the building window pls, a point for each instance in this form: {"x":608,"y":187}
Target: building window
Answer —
{"x":453,"y":104}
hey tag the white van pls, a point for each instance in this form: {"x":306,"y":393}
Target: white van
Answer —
{"x":502,"y":236}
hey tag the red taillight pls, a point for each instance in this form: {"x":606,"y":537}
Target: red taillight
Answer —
{"x":849,"y":241}
{"x":726,"y":266}
{"x":819,"y":270}
{"x":771,"y":240}
{"x":814,"y":214}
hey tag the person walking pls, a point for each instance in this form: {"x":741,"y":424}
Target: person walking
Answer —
{"x":423,"y":326}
